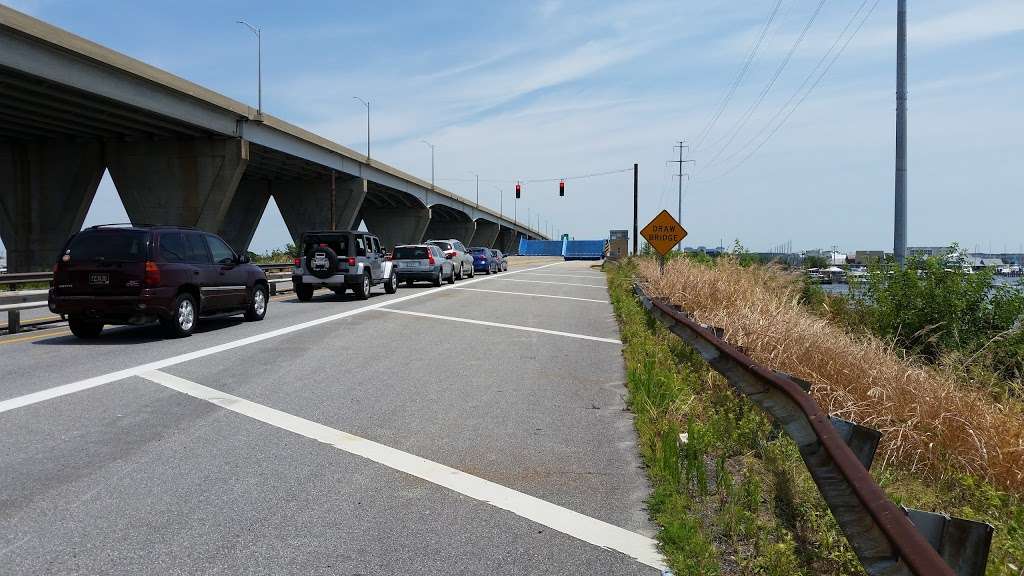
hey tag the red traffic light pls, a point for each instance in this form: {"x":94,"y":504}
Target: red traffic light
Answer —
{"x":561,"y":187}
{"x":517,"y":189}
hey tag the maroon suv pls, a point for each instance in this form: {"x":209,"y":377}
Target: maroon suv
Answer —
{"x":119,"y":274}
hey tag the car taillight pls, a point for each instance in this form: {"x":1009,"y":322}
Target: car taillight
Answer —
{"x":152,"y":277}
{"x":430,"y":257}
{"x":297,"y":262}
{"x":351,"y":261}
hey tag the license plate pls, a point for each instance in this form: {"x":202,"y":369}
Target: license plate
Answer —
{"x":98,"y":279}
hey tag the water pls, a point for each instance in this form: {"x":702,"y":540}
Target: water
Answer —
{"x":1017,"y":281}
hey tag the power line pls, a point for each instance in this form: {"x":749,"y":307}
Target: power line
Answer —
{"x":742,"y":122}
{"x":739,"y":76}
{"x":805,"y":94}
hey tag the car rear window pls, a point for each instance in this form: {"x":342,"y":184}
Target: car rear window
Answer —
{"x":339,"y":245}
{"x":443,"y":245}
{"x":109,"y":246}
{"x":411,"y":253}
{"x":480,"y":251}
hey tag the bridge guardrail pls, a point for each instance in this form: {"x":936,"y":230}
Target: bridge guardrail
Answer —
{"x":14,"y":301}
{"x":887,"y":539}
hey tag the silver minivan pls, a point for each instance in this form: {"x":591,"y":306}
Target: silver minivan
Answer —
{"x":422,"y":262}
{"x":456,"y":252}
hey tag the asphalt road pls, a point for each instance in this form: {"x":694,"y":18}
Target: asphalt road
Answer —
{"x":472,"y":429}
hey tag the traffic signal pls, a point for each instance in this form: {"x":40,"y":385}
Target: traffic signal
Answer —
{"x":561,"y":187}
{"x":517,"y":190}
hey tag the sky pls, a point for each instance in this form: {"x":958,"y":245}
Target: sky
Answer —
{"x":560,"y":89}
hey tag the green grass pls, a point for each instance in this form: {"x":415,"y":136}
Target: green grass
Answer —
{"x":24,"y":286}
{"x":737,"y":499}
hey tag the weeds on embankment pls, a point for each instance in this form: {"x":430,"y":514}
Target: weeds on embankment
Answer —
{"x":930,"y":423}
{"x":738,"y":499}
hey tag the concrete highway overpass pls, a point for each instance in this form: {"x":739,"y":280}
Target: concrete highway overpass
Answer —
{"x":179,"y":153}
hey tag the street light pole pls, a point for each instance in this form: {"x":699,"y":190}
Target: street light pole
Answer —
{"x":501,"y":201}
{"x":367,"y":104}
{"x":431,"y":167}
{"x":259,"y":67}
{"x":477,"y":188}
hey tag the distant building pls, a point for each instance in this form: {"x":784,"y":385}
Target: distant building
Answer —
{"x":928,"y":251}
{"x":981,"y":262}
{"x":868,"y":257}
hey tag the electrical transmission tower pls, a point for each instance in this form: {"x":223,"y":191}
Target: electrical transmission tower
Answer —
{"x":679,"y":209}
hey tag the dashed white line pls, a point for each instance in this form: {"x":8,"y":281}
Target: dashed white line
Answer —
{"x":532,"y":294}
{"x":500,"y":325}
{"x":585,"y":528}
{"x":78,"y":386}
{"x":560,"y":283}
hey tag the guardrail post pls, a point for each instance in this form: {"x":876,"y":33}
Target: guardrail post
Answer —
{"x":963,"y":544}
{"x":13,"y":321}
{"x":863,"y":441}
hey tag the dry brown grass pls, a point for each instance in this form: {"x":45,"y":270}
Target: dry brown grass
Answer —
{"x":931,"y":423}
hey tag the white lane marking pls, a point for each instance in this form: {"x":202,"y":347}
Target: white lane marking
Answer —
{"x":78,"y":386}
{"x":560,"y":283}
{"x":499,"y":325}
{"x":531,"y":294}
{"x":592,"y":530}
{"x":588,"y":277}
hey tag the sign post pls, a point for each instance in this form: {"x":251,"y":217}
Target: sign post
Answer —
{"x":662,"y":234}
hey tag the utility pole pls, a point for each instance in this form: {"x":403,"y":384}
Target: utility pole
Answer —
{"x":334,"y":203}
{"x":900,"y":224}
{"x":636,"y":202}
{"x":679,"y":213}
{"x":501,"y":201}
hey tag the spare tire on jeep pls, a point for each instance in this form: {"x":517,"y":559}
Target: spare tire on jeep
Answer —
{"x":321,"y":261}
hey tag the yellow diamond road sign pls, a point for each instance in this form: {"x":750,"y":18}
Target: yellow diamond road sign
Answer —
{"x":663,"y":232}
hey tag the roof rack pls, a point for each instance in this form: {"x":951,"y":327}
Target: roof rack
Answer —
{"x":112,"y":225}
{"x":131,"y":225}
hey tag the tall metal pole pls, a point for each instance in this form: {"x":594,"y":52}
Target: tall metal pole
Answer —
{"x":334,"y":203}
{"x":635,"y":205}
{"x":900,"y":224}
{"x":477,"y":189}
{"x":259,"y":66}
{"x":431,"y":169}
{"x":367,"y":104}
{"x":679,"y":210}
{"x":259,"y":74}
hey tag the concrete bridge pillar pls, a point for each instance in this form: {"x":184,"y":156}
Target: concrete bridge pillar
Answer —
{"x":46,"y":188}
{"x":396,"y":226}
{"x":306,"y":204}
{"x":244,"y":214}
{"x":486,"y":233}
{"x":178,"y":182}
{"x":507,"y":241}
{"x":443,"y":229}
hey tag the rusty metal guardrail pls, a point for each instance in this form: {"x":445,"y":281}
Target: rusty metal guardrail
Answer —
{"x":887,"y":539}
{"x":13,"y":301}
